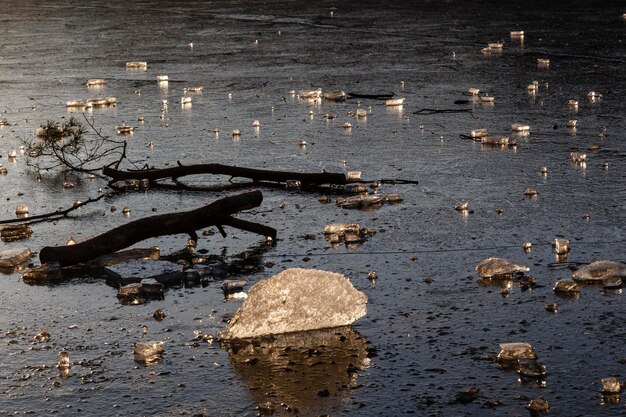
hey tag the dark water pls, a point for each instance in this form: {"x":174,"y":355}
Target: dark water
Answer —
{"x":420,"y":343}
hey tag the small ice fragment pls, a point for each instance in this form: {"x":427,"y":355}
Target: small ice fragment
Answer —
{"x":495,"y":45}
{"x":193,"y":89}
{"x":394,"y":102}
{"x":64,"y":360}
{"x":473,"y":91}
{"x":149,"y":352}
{"x":236,"y":132}
{"x":96,"y":82}
{"x":566,"y":286}
{"x":42,"y":336}
{"x":340,"y":229}
{"x":335,"y":95}
{"x":478,"y":133}
{"x":517,"y":33}
{"x":495,"y":140}
{"x":353,"y":175}
{"x":162,"y":78}
{"x":544,"y":170}
{"x":21,"y":209}
{"x":12,"y":153}
{"x":560,"y":245}
{"x":75,"y":104}
{"x":510,"y":352}
{"x":361,"y":113}
{"x":487,"y":99}
{"x":185,"y":100}
{"x":311,"y":94}
{"x":538,"y":406}
{"x":136,"y":65}
{"x":571,"y":123}
{"x":295,"y":184}
{"x":578,"y":157}
{"x":499,"y":267}
{"x":256,"y":123}
{"x":517,"y":127}
{"x":543,"y":63}
{"x":347,"y":125}
{"x":611,"y":386}
{"x":463,"y":207}
{"x":527,"y":247}
{"x":124,"y":129}
{"x":572,"y":103}
{"x":530,"y":192}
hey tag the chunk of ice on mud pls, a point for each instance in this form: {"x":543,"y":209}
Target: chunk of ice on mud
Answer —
{"x":11,"y":258}
{"x":516,"y":350}
{"x":496,"y":267}
{"x":297,"y":300}
{"x":148,"y":352}
{"x":599,"y":271}
{"x":611,"y":385}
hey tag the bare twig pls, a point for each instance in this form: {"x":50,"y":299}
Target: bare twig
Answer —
{"x":53,"y":215}
{"x":427,"y":112}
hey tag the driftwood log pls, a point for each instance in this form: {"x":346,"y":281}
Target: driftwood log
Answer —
{"x":217,"y":213}
{"x":257,"y":175}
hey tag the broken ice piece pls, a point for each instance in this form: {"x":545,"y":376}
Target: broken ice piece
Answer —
{"x":560,"y":245}
{"x":538,"y":406}
{"x":463,"y":207}
{"x":487,"y":99}
{"x":64,"y":360}
{"x":473,"y":91}
{"x":162,"y":78}
{"x":543,"y":63}
{"x":497,"y":267}
{"x":353,"y":175}
{"x":136,"y":65}
{"x":124,"y":129}
{"x":13,"y":232}
{"x":510,"y":352}
{"x":578,"y":157}
{"x":185,"y":100}
{"x":137,"y":293}
{"x":394,"y":102}
{"x":517,"y":33}
{"x":478,"y":133}
{"x":611,"y":386}
{"x":149,"y":352}
{"x":571,"y":123}
{"x":311,"y":94}
{"x":517,"y":127}
{"x":75,"y":103}
{"x":341,"y":228}
{"x":599,"y":270}
{"x":566,"y":286}
{"x":96,"y":82}
{"x":530,"y":192}
{"x":11,"y":258}
{"x":494,"y":140}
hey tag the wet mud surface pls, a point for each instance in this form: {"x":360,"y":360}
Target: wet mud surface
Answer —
{"x":432,"y":325}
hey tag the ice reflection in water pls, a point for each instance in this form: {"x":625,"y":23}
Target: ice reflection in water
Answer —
{"x":307,"y":371}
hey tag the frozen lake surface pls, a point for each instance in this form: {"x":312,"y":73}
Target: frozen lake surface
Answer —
{"x":432,"y":325}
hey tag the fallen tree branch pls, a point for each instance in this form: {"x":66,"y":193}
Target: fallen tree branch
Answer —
{"x":56,"y":215}
{"x":232,"y":171}
{"x":427,"y":112}
{"x":375,"y":96}
{"x":216,"y":213}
